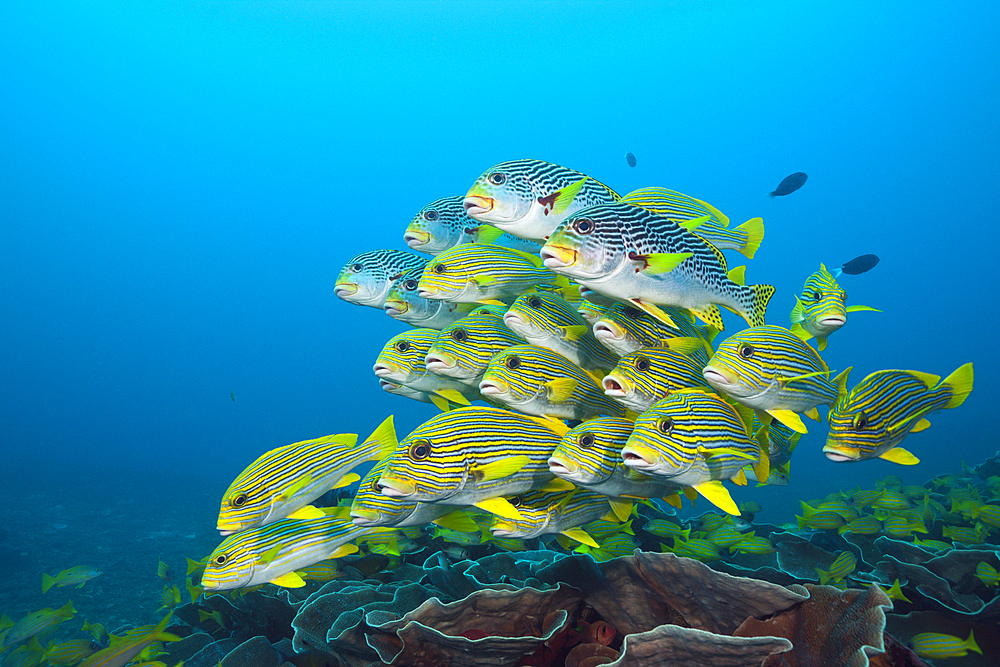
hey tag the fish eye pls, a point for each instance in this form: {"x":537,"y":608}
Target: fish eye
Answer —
{"x":665,"y":425}
{"x":512,"y":362}
{"x":431,"y":215}
{"x":460,"y":335}
{"x":440,"y":268}
{"x":240,"y":500}
{"x":817,"y":296}
{"x":586,"y":440}
{"x":221,"y":559}
{"x":498,"y":178}
{"x":746,"y":351}
{"x":375,"y":488}
{"x":584,"y":226}
{"x":420,"y":450}
{"x":535,"y":302}
{"x":357,"y":267}
{"x":402,"y":345}
{"x":642,"y":364}
{"x":633,"y":313}
{"x":861,"y":420}
{"x":410,"y":285}
{"x":515,"y":501}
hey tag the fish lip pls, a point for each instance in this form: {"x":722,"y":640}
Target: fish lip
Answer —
{"x":634,"y":460}
{"x":208,"y":584}
{"x":833,"y":321}
{"x":509,"y":317}
{"x":393,"y":308}
{"x":416,"y":240}
{"x":342,"y":290}
{"x":426,"y":294}
{"x":386,"y":385}
{"x":227,"y":533}
{"x":490,"y":388}
{"x":612,"y":387}
{"x":477,"y":205}
{"x":715,"y":376}
{"x":381,"y":370}
{"x":395,"y":488}
{"x":555,"y":257}
{"x":434,"y":363}
{"x":564,"y":467}
{"x":604,"y":331}
{"x":363,"y":518}
{"x":838,"y":456}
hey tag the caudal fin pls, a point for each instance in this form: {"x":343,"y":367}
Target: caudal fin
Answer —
{"x":47,"y":582}
{"x":754,"y":229}
{"x":961,"y":384}
{"x":385,"y":436}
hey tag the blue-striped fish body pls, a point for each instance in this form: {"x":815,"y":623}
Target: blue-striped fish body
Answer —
{"x":444,"y":224}
{"x":403,"y":361}
{"x":285,"y":480}
{"x":701,"y":218}
{"x":549,"y":513}
{"x":630,"y":253}
{"x":405,"y":304}
{"x":693,"y":438}
{"x":821,"y":310}
{"x":124,"y":650}
{"x":937,"y":646}
{"x":372,"y":508}
{"x":273,"y":552}
{"x":590,"y":456}
{"x":842,"y":566}
{"x":877,"y":415}
{"x":624,"y":329}
{"x":590,"y":311}
{"x":74,"y":576}
{"x":482,"y":272}
{"x":39,"y":621}
{"x":366,"y":279}
{"x":645,"y":377}
{"x":472,"y":456}
{"x":537,"y":381}
{"x":770,"y":369}
{"x":70,"y":652}
{"x":550,"y":321}
{"x":463,"y":350}
{"x":420,"y":396}
{"x":529,"y":198}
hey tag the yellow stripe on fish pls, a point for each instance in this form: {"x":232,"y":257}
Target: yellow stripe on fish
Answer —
{"x":821,"y":310}
{"x":624,"y":329}
{"x":403,"y":360}
{"x":550,"y":513}
{"x":285,"y":480}
{"x":645,"y":377}
{"x":405,"y":304}
{"x":464,"y":349}
{"x":877,"y":415}
{"x":479,"y":271}
{"x":371,"y":507}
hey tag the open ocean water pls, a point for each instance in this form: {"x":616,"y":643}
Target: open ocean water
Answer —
{"x":180,"y":184}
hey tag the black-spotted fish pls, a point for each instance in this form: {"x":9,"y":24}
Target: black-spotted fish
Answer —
{"x":693,"y":438}
{"x":282,"y":482}
{"x":701,"y":218}
{"x":403,"y":361}
{"x":273,"y":552}
{"x":645,"y":377}
{"x":624,"y":329}
{"x":463,"y":350}
{"x":478,"y":272}
{"x":874,"y":418}
{"x":472,"y":456}
{"x":366,"y":279}
{"x":405,"y":304}
{"x":789,"y":184}
{"x":550,"y":321}
{"x":821,"y":310}
{"x":553,"y":513}
{"x":590,"y":455}
{"x":529,"y":198}
{"x":444,"y":224}
{"x":371,"y":507}
{"x":633,"y":254}
{"x":537,"y":381}
{"x":770,"y":369}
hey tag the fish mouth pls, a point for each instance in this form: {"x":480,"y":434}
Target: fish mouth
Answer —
{"x":512,"y":320}
{"x":491,"y":388}
{"x":718,"y":376}
{"x":208,"y":584}
{"x":394,"y":308}
{"x":638,"y":457}
{"x":382,"y":371}
{"x":605,"y":331}
{"x":363,"y":517}
{"x":841,"y":454}
{"x":225,"y":532}
{"x":436,"y":364}
{"x":343,"y":290}
{"x":395,"y":488}
{"x":477,"y":205}
{"x":833,"y":321}
{"x":555,"y":257}
{"x":416,"y":240}
{"x":612,"y":387}
{"x":561,"y":467}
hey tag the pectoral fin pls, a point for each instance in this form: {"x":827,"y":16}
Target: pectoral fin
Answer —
{"x":307,"y":512}
{"x":566,"y":196}
{"x":453,"y":396}
{"x":502,"y":468}
{"x":695,"y":223}
{"x":501,"y":507}
{"x":559,"y":390}
{"x":789,"y":419}
{"x":482,"y":281}
{"x":345,"y":550}
{"x":575,"y":332}
{"x":661,"y":262}
{"x":740,"y":478}
{"x":289,"y":580}
{"x":622,"y":510}
{"x":738,"y":275}
{"x":459,"y":521}
{"x":719,"y":496}
{"x":440,"y":403}
{"x":347,"y":480}
{"x":673,"y":499}
{"x":558,"y":484}
{"x":655,"y":311}
{"x":900,"y":456}
{"x":295,"y":487}
{"x":580,"y":535}
{"x":812,"y":413}
{"x":488,"y":234}
{"x":859,"y":308}
{"x":268,"y":556}
{"x":685,"y":344}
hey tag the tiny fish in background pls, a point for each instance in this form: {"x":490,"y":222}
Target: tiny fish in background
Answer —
{"x":232,"y":395}
{"x":936,"y":645}
{"x":630,"y":159}
{"x":74,"y":576}
{"x":790,"y":184}
{"x":857,"y":266}
{"x":164,"y":572}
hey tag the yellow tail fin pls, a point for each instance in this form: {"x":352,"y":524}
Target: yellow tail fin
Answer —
{"x":961,"y":384}
{"x":754,"y":229}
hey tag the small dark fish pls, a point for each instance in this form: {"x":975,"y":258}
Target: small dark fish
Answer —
{"x":860,"y":265}
{"x":232,"y":395}
{"x":630,"y":159}
{"x":790,"y":184}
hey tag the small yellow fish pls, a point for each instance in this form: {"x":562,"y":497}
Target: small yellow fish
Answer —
{"x":935,"y":645}
{"x":124,"y":650}
{"x":39,"y":621}
{"x":987,"y":574}
{"x":171,"y":597}
{"x":215,"y":616}
{"x":74,"y":576}
{"x":895,"y":592}
{"x":164,"y":572}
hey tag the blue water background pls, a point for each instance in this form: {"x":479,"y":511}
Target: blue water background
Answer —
{"x":180,"y":184}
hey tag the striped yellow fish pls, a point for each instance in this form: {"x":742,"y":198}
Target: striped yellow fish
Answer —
{"x":939,"y":646}
{"x":405,"y":304}
{"x":645,"y":377}
{"x":472,"y":456}
{"x":70,"y":652}
{"x":874,"y":418}
{"x":282,"y":482}
{"x":624,"y":329}
{"x":37,"y":622}
{"x":273,"y":552}
{"x":483,"y":272}
{"x":444,"y":224}
{"x":74,"y":576}
{"x":550,"y":513}
{"x":695,"y":439}
{"x":771,"y":370}
{"x":403,"y":361}
{"x":366,"y":279}
{"x":464,"y":349}
{"x":372,"y":508}
{"x":842,"y":566}
{"x":821,"y":310}
{"x":537,"y":381}
{"x":128,"y":647}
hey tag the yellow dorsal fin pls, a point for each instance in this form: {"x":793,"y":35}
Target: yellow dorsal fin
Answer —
{"x":559,"y":390}
{"x":502,"y":468}
{"x":715,"y":493}
{"x":580,"y":535}
{"x":566,"y":196}
{"x":928,"y":379}
{"x":289,"y":580}
{"x":307,"y":512}
{"x":737,"y":274}
{"x":347,"y":480}
{"x":900,"y":456}
{"x":789,"y":419}
{"x":500,"y":507}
